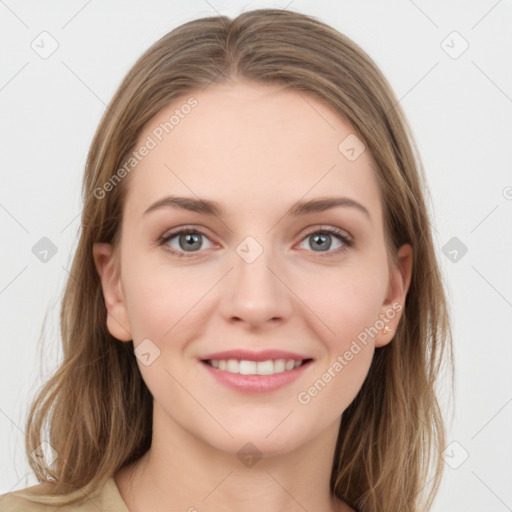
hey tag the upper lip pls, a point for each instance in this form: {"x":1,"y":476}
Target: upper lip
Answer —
{"x":248,"y":355}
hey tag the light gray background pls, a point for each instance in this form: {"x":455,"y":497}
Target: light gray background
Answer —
{"x":459,"y":107}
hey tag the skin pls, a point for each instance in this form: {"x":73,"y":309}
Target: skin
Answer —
{"x":256,"y":149}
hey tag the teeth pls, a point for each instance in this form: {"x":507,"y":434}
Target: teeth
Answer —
{"x":245,"y":367}
{"x":233,"y":366}
{"x":279,"y":365}
{"x":249,"y":367}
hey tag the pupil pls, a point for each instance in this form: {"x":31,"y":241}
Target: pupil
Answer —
{"x":190,"y":240}
{"x":322,"y":239}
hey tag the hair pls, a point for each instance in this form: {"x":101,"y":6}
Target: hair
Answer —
{"x":96,"y":406}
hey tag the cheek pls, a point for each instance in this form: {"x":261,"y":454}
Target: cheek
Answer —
{"x":336,"y":385}
{"x":348,"y":306}
{"x":345,"y":300}
{"x":157,"y":297}
{"x":150,"y":307}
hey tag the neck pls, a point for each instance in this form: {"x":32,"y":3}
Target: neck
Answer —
{"x":181,"y":470}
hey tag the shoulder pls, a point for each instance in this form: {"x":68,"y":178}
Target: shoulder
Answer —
{"x":107,"y":499}
{"x":17,"y":500}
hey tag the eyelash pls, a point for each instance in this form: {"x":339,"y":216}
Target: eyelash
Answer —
{"x":348,"y":243}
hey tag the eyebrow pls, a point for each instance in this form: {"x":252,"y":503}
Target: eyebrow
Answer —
{"x":208,"y":207}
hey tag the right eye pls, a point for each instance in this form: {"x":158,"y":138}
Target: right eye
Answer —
{"x":183,"y":241}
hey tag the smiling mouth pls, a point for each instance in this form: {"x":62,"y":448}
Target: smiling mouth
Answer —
{"x":246,"y":367}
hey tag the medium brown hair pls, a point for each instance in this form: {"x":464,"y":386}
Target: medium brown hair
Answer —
{"x":97,"y":407}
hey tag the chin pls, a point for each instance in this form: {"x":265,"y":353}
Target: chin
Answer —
{"x":266,"y":440}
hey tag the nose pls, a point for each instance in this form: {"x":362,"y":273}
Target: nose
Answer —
{"x":256,"y":291}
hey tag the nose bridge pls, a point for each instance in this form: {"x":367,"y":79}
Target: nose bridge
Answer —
{"x":255,"y":292}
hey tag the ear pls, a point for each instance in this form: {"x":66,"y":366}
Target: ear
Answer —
{"x":118,"y":323}
{"x":394,"y":304}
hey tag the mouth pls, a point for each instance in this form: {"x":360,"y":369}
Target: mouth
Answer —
{"x":251,"y":367}
{"x":250,"y":372}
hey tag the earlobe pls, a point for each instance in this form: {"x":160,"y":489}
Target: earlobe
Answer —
{"x":394,"y":305}
{"x":105,"y":259}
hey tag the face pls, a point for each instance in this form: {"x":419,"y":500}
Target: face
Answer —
{"x":314,"y":285}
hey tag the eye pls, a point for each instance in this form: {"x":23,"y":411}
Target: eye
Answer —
{"x":321,"y":239}
{"x":187,"y":241}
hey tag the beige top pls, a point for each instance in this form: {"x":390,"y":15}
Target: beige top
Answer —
{"x":108,"y":499}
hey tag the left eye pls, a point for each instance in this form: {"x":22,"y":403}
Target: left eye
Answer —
{"x":322,"y":239}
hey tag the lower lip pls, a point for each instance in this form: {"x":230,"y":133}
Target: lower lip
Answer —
{"x":256,"y":383}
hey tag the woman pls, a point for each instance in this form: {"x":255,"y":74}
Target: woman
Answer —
{"x":219,"y":350}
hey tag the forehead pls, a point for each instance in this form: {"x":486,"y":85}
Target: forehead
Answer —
{"x":251,"y":146}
